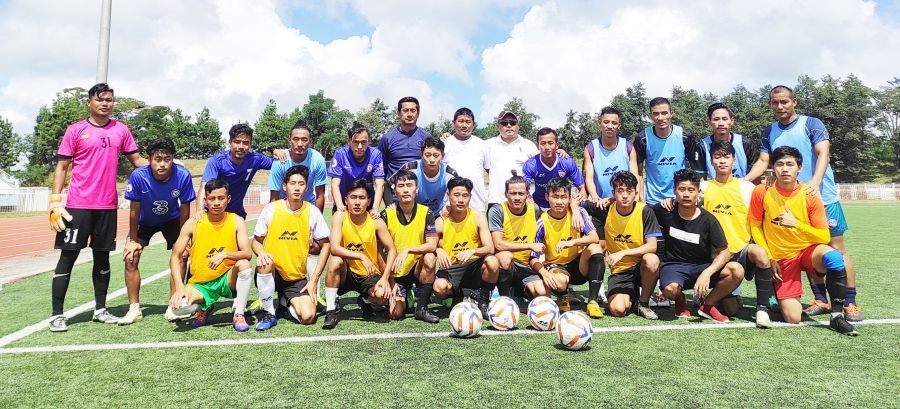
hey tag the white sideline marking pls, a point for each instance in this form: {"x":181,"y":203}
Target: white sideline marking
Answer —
{"x":31,"y":329}
{"x":382,"y":336}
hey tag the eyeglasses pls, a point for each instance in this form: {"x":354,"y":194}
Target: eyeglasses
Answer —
{"x":508,"y":122}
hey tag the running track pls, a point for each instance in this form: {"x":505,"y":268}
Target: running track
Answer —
{"x":32,"y":235}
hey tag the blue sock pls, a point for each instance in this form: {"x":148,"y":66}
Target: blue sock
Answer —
{"x":819,"y":291}
{"x":850,"y":298}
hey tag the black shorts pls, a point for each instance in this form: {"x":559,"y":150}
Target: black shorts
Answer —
{"x":99,"y":225}
{"x":625,"y":282}
{"x":571,"y":268}
{"x":684,"y":274}
{"x":466,"y":275}
{"x":288,"y":290}
{"x":357,"y":283}
{"x":169,"y":229}
{"x":523,"y":274}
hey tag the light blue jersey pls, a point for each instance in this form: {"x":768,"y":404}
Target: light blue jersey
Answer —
{"x":739,"y":169}
{"x":314,"y":161}
{"x":664,"y":157}
{"x":607,"y":163}
{"x":804,"y":133}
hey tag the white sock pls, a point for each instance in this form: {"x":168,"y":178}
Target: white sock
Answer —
{"x":134,"y":306}
{"x":244,"y":281}
{"x":265,"y":283}
{"x":837,"y":314}
{"x":330,"y":299}
{"x":293,"y":313}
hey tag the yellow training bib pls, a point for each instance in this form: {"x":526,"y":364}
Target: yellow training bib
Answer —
{"x":210,"y":239}
{"x":288,"y":240}
{"x":361,"y":239}
{"x":408,"y":235}
{"x":460,"y":236}
{"x":520,"y":229}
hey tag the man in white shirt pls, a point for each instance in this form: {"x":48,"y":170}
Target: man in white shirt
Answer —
{"x":467,"y":155}
{"x":506,"y":152}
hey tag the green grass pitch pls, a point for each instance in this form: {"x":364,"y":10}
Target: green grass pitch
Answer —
{"x":807,"y":366}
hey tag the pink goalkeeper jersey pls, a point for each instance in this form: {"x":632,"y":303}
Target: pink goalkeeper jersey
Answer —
{"x":94,"y":152}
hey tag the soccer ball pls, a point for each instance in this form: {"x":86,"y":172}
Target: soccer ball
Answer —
{"x":574,"y":330}
{"x":543,"y":313}
{"x":503,"y":313}
{"x":465,"y":320}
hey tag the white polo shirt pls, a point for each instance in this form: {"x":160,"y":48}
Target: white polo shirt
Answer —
{"x":502,"y":158}
{"x":469,"y":159}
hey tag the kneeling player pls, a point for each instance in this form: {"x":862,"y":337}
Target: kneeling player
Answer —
{"x":696,"y":254}
{"x":282,"y":245}
{"x":356,"y":264}
{"x":219,"y":260}
{"x":513,"y":226}
{"x":572,"y":255}
{"x":791,"y":225}
{"x":161,"y":194}
{"x":630,"y":232}
{"x":465,"y":253}
{"x":412,"y":227}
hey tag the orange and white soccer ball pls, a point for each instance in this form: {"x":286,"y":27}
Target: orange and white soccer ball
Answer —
{"x":503,"y":313}
{"x":543,"y":313}
{"x":574,"y":330}
{"x":465,"y":319}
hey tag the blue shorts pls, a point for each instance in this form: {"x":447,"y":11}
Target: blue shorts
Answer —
{"x":743,"y":258}
{"x":683,"y":274}
{"x":837,"y":223}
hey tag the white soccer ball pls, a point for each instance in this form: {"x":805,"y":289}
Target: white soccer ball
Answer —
{"x":574,"y":330}
{"x":543,"y":313}
{"x":503,"y":313}
{"x":465,"y":320}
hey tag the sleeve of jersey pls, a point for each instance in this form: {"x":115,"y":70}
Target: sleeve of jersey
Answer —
{"x":495,"y":219}
{"x":430,"y":230}
{"x":320,"y":228}
{"x":132,"y":189}
{"x":694,"y":154}
{"x":528,"y":170}
{"x":263,"y":161}
{"x":816,"y":130}
{"x":128,"y":144}
{"x":756,"y":203}
{"x":377,"y":165}
{"x":211,"y":171}
{"x":320,"y":177}
{"x":538,"y":237}
{"x":758,"y":237}
{"x":651,"y":226}
{"x":817,"y":229}
{"x":588,"y":225}
{"x":186,"y":186}
{"x":276,"y":176}
{"x":577,"y":177}
{"x":451,"y":173}
{"x":764,"y":144}
{"x":335,"y":169}
{"x":67,"y":144}
{"x":640,"y":147}
{"x":262,"y":225}
{"x":589,"y":147}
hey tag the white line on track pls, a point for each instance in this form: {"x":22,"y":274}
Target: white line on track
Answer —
{"x":31,"y":329}
{"x":383,"y":336}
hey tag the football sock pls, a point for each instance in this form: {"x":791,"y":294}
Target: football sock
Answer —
{"x":330,"y":298}
{"x":485,"y":295}
{"x":504,"y":283}
{"x":763,"y":288}
{"x":244,"y":282}
{"x":100,"y":275}
{"x":423,"y":294}
{"x":596,"y":270}
{"x":851,"y":296}
{"x":61,"y":276}
{"x":819,"y":292}
{"x":134,"y":306}
{"x":266,"y":285}
{"x":836,"y":280}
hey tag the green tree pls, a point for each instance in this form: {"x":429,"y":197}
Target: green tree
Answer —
{"x":205,"y":137}
{"x":271,"y":129}
{"x":378,"y":117}
{"x":9,"y":145}
{"x":888,"y":118}
{"x":527,"y":120}
{"x":151,"y":123}
{"x":568,"y":133}
{"x":634,"y":107}
{"x":690,"y":109}
{"x":439,"y":126}
{"x":751,"y":111}
{"x":327,"y":122}
{"x":588,"y":128}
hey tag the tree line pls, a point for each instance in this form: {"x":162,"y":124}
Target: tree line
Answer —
{"x":864,"y":124}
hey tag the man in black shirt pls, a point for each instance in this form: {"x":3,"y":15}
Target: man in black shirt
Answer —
{"x":696,"y":252}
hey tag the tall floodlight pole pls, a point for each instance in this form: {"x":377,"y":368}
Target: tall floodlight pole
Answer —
{"x":103,"y":51}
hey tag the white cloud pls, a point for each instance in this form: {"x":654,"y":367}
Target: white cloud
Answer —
{"x":571,"y":55}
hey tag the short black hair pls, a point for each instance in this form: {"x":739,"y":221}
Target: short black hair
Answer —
{"x":659,"y":101}
{"x":215,"y":184}
{"x":407,"y":99}
{"x":559,"y":184}
{"x":98,"y":89}
{"x":240,"y":128}
{"x":715,"y":106}
{"x":432,"y":142}
{"x":721,"y":146}
{"x":611,"y":110}
{"x":360,"y":184}
{"x":785,"y":150}
{"x":623,"y":178}
{"x":516,"y":178}
{"x":459,"y":181}
{"x":161,"y":144}
{"x":546,"y":131}
{"x":301,"y":124}
{"x":463,"y":112}
{"x":781,"y":88}
{"x":687,"y":175}
{"x":404,"y":175}
{"x":357,"y":129}
{"x":296,"y":170}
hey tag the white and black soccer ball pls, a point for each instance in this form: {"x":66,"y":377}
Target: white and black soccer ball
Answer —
{"x":503,"y":313}
{"x":543,"y":313}
{"x":465,"y":320}
{"x":574,"y":330}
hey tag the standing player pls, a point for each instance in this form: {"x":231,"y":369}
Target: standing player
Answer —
{"x":91,"y":147}
{"x":432,"y":175}
{"x":237,"y":166}
{"x":663,"y":149}
{"x":572,"y":254}
{"x":467,"y":154}
{"x":696,"y":254}
{"x":219,"y":261}
{"x":300,"y":153}
{"x":402,"y":144}
{"x":630,"y":233}
{"x":745,"y":154}
{"x":506,"y":152}
{"x":355,"y":161}
{"x":412,"y":227}
{"x":607,"y":154}
{"x":283,"y":263}
{"x":513,"y":227}
{"x":810,"y":137}
{"x":547,"y":165}
{"x":465,"y":252}
{"x":790,"y":222}
{"x":356,"y":264}
{"x":160,"y":196}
